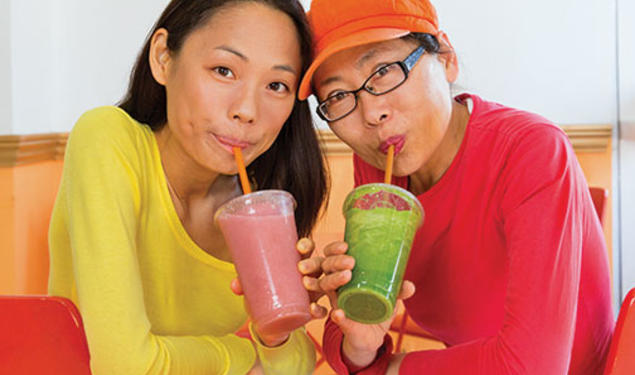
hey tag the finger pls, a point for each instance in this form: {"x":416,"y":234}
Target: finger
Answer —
{"x":312,"y":284}
{"x":311,"y":266}
{"x":318,"y":311}
{"x":330,"y":283}
{"x":338,"y":316}
{"x":407,"y":290}
{"x":336,"y":263}
{"x":335,"y":248}
{"x":236,"y":287}
{"x":305,"y":247}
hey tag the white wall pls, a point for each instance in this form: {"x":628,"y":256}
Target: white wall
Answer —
{"x":627,"y":141}
{"x":5,"y":67}
{"x":556,"y":58}
{"x":71,"y":55}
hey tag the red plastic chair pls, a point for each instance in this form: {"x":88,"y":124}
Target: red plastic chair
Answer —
{"x":42,"y":335}
{"x":621,"y":358}
{"x":599,"y":196}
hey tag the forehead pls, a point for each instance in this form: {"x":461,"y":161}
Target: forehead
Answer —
{"x":359,"y":58}
{"x":257,"y":30}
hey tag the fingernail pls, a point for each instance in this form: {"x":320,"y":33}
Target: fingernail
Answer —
{"x":302,"y":245}
{"x":303,"y":266}
{"x":306,"y":282}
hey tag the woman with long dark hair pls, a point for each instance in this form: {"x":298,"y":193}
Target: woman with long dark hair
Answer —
{"x":132,"y":238}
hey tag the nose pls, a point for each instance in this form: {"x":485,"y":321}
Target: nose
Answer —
{"x":375,"y":109}
{"x":244,"y":107}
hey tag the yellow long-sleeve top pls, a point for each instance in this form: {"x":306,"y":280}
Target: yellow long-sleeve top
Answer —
{"x":151,"y":300}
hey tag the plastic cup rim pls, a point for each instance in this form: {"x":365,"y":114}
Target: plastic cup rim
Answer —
{"x":253,"y":194}
{"x":391,"y":186}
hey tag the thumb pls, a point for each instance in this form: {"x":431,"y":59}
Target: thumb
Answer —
{"x":407,"y":290}
{"x":236,"y":287}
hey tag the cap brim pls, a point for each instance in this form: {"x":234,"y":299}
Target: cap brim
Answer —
{"x":353,"y":40}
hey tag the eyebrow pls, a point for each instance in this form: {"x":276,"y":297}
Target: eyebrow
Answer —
{"x":330,"y":80}
{"x":358,"y":65}
{"x":286,"y":68}
{"x":365,"y":57}
{"x":233,"y":51}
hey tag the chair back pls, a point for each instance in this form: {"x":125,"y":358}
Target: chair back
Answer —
{"x":599,"y":196}
{"x":621,"y":357}
{"x":42,"y":335}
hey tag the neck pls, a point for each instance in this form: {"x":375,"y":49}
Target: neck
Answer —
{"x":188,"y":181}
{"x":432,"y":171}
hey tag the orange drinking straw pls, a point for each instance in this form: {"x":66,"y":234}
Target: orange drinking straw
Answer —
{"x":242,"y":171}
{"x":389,"y":159}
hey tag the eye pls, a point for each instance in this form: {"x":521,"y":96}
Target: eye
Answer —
{"x":278,"y":87}
{"x":337,"y":96}
{"x":223,"y":71}
{"x":382,"y":71}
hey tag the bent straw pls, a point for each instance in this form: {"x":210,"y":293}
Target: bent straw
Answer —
{"x":242,"y":171}
{"x":389,"y":160}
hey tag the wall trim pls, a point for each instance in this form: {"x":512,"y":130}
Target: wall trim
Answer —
{"x":16,"y":150}
{"x":584,"y":138}
{"x":589,"y":138}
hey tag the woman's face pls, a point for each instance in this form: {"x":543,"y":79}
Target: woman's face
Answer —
{"x":232,"y":83}
{"x":414,"y":117}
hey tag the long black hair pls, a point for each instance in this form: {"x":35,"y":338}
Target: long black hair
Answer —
{"x":295,"y":161}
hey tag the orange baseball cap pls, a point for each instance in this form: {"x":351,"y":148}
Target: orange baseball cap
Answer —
{"x":341,"y":24}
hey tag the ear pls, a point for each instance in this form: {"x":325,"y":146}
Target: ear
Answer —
{"x":159,"y":56}
{"x":448,"y":57}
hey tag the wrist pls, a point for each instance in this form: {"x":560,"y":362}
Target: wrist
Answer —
{"x":270,"y":341}
{"x":357,"y":358}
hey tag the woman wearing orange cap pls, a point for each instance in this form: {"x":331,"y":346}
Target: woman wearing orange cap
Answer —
{"x":132,"y":238}
{"x":510,"y":265}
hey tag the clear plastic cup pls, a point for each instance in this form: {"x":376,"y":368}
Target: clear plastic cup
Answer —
{"x":260,"y":231}
{"x":381,"y":222}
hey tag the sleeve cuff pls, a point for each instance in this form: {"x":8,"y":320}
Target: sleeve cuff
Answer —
{"x":240,"y":354}
{"x":294,"y":356}
{"x":332,"y":347}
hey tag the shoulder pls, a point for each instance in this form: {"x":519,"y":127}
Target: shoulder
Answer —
{"x":108,"y":127}
{"x":104,"y":124}
{"x":515,"y":127}
{"x":108,"y":133}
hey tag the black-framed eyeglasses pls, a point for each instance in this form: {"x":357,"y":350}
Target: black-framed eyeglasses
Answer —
{"x":382,"y":81}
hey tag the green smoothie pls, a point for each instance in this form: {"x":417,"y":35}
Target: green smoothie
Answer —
{"x":381,"y":221}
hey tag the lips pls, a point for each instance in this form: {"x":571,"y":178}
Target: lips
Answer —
{"x":398,"y":141}
{"x":231,"y":142}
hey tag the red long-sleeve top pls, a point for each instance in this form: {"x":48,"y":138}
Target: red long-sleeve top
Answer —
{"x":510,"y":265}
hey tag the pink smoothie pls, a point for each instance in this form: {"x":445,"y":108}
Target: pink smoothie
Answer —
{"x":262,"y":244}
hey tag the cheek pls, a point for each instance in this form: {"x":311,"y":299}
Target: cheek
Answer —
{"x":274,"y":115}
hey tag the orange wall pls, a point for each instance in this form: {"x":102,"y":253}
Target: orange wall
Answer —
{"x":7,"y":240}
{"x":597,"y":170}
{"x":27,"y":194}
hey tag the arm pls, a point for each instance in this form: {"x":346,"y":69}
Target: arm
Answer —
{"x":542,"y":220}
{"x":294,"y":356}
{"x":349,"y":346}
{"x":101,"y":200}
